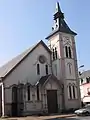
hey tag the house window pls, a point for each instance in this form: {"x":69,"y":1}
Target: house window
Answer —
{"x":87,"y":80}
{"x":66,"y":51}
{"x":74,"y":92}
{"x":70,"y":92}
{"x":46,"y":66}
{"x":69,"y":50}
{"x":28,"y":92}
{"x":55,"y":53}
{"x":38,"y":93}
{"x":81,"y":80}
{"x":38,"y":69}
{"x":88,"y":90}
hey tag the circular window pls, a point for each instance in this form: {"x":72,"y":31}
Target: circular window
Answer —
{"x":42,"y":59}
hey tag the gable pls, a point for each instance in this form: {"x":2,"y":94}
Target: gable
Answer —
{"x":11,"y":65}
{"x":50,"y":82}
{"x":26,"y":71}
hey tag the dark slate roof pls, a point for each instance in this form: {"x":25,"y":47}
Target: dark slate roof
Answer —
{"x":8,"y":67}
{"x":85,"y":74}
{"x":43,"y":79}
{"x":63,"y":28}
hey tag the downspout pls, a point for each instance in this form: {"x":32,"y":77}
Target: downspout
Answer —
{"x":3,"y":96}
{"x":51,"y":63}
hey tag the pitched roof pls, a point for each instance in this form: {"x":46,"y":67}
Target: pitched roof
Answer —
{"x":8,"y":67}
{"x":85,"y":74}
{"x":63,"y":28}
{"x":44,"y":79}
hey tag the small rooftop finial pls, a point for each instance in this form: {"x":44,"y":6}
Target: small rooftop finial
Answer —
{"x":57,"y":7}
{"x":58,"y":12}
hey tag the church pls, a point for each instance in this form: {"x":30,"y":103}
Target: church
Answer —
{"x":44,"y":78}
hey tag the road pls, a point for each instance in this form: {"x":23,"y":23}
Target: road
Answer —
{"x":74,"y":118}
{"x":71,"y":118}
{"x":39,"y":118}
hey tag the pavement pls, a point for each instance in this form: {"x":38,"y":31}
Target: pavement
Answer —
{"x":76,"y":118}
{"x":51,"y":117}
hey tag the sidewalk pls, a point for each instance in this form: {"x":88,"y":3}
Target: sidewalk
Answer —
{"x":56,"y":116}
{"x":39,"y":118}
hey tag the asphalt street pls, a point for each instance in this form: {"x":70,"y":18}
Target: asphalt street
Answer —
{"x":79,"y":118}
{"x":73,"y":118}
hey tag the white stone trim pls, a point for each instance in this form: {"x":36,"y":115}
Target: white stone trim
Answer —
{"x":3,"y":110}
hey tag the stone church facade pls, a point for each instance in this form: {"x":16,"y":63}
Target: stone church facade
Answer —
{"x":44,"y":78}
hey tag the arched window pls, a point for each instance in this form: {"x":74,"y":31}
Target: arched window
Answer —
{"x":46,"y":67}
{"x":55,"y":53}
{"x":74,"y":90}
{"x":38,"y":69}
{"x":69,"y":50}
{"x":66,"y":51}
{"x":70,"y":92}
{"x":74,"y":95}
{"x":28,"y":92}
{"x":38,"y":97}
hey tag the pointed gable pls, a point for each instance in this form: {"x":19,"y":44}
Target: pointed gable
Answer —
{"x":11,"y":65}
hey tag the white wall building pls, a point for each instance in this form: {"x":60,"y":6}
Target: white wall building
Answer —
{"x":85,"y":87}
{"x":43,"y":78}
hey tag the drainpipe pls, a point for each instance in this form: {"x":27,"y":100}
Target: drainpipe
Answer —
{"x":3,"y":110}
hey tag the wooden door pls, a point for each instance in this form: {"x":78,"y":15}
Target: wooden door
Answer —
{"x":52,"y":101}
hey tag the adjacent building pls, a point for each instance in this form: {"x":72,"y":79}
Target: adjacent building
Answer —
{"x":85,"y":87}
{"x":44,"y":78}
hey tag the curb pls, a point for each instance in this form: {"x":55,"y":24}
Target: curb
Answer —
{"x":57,"y":116}
{"x":64,"y":116}
{"x":41,"y":117}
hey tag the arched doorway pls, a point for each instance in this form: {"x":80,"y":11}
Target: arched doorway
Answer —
{"x":52,"y":101}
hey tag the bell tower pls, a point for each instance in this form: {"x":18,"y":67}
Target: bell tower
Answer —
{"x":61,"y":41}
